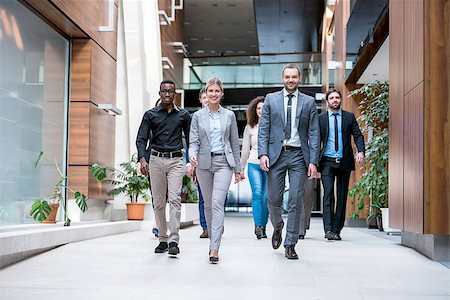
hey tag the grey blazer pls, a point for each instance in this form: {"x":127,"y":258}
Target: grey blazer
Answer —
{"x":200,"y":137}
{"x":272,"y":127}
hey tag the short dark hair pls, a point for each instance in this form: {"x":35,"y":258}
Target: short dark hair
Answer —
{"x":291,"y":66}
{"x":332,"y":90}
{"x":252,"y":117}
{"x":167,"y":82}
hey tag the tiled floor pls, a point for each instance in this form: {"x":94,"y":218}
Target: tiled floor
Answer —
{"x":362,"y":266}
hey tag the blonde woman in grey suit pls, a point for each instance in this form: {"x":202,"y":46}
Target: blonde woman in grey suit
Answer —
{"x":214,"y":151}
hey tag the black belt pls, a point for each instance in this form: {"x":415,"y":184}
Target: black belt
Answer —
{"x":333,"y":159}
{"x":173,"y":154}
{"x":217,"y":154}
{"x":290,"y":148}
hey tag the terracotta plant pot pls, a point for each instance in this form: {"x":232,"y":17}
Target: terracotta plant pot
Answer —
{"x":51,"y":219}
{"x":135,"y":211}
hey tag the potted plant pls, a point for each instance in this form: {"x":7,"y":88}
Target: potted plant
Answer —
{"x":375,"y":213}
{"x":126,"y":180}
{"x":189,"y":192}
{"x":375,"y":115}
{"x":44,"y":210}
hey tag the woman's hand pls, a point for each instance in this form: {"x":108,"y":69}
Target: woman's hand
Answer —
{"x":193,"y":160}
{"x":237,"y":177}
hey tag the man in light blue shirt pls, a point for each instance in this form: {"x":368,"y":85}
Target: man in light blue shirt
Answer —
{"x":337,"y":160}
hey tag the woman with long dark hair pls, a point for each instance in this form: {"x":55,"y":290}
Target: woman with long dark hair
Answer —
{"x":256,"y":176}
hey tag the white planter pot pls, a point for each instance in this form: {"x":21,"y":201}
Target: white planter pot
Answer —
{"x":385,"y":218}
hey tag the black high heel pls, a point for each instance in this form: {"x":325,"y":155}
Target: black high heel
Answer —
{"x":213,"y":259}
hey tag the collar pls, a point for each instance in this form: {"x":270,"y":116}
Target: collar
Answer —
{"x":330,"y":113}
{"x":209,"y":110}
{"x":285,"y":93}
{"x":161,"y":107}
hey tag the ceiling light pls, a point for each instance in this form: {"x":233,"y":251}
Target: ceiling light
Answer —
{"x":200,"y":51}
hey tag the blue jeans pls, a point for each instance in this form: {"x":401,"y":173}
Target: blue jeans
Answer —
{"x":201,"y":208}
{"x":258,"y":183}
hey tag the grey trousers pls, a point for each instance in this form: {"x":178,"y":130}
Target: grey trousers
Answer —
{"x":305,"y":218}
{"x":214,"y":183}
{"x":293,"y":163}
{"x":166,"y":178}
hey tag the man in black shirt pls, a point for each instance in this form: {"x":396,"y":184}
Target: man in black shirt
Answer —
{"x":162,"y":129}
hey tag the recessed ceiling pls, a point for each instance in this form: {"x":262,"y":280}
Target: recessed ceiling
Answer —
{"x":378,"y":68}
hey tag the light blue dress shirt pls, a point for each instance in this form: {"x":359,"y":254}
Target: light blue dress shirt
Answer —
{"x":329,"y":149}
{"x":217,"y":145}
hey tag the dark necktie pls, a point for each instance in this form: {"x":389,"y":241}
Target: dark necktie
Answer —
{"x":288,"y":117}
{"x":336,"y":133}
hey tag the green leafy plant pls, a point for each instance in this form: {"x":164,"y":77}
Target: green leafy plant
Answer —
{"x":189,"y":190}
{"x":125,"y":180}
{"x":375,"y":116}
{"x":41,"y":208}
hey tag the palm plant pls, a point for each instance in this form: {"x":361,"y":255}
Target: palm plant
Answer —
{"x":125,"y":180}
{"x":41,"y":208}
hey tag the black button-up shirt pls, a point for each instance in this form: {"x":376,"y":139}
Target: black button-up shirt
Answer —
{"x":163,"y":131}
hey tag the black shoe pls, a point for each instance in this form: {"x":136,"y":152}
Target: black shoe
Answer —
{"x":204,"y":234}
{"x":258,"y":232}
{"x":301,"y":237}
{"x":264,"y":235}
{"x":337,"y":237}
{"x":276,"y":239}
{"x":162,"y":247}
{"x":173,"y":248}
{"x":290,"y":253}
{"x":329,"y":235}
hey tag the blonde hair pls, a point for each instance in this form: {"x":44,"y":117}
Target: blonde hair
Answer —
{"x":214,"y":81}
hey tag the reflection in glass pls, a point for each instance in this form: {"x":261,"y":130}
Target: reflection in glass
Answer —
{"x":33,"y":101}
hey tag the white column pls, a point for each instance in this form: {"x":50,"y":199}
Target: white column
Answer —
{"x":139,"y":72}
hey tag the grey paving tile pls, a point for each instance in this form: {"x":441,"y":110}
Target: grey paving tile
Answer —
{"x":362,"y":266}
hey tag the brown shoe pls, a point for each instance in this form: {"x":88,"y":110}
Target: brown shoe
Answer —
{"x":204,"y":234}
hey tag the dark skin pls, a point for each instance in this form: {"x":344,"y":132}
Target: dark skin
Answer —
{"x":167,"y":95}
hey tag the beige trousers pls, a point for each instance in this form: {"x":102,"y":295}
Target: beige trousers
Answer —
{"x":166,"y":178}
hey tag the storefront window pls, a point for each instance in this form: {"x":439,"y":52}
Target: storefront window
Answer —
{"x":33,"y":109}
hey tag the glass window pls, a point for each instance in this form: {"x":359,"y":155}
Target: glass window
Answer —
{"x":33,"y":109}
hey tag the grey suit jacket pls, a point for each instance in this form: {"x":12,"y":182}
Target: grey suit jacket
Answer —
{"x":272,"y":127}
{"x":200,"y":138}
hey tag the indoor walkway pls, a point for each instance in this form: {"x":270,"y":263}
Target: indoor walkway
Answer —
{"x":364,"y":265}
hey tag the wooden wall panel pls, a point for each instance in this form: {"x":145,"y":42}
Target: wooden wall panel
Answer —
{"x":169,"y":34}
{"x":396,"y":73}
{"x":437,"y":116}
{"x":103,"y":79}
{"x":413,"y":160}
{"x":89,"y":15}
{"x":81,"y":180}
{"x":413,"y":10}
{"x":80,"y":71}
{"x":101,"y":137}
{"x":55,"y":18}
{"x":79,"y":133}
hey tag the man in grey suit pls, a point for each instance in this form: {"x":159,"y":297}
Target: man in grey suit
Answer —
{"x":288,"y":141}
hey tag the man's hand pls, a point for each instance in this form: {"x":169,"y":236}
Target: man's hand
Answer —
{"x":144,"y":166}
{"x":312,"y":171}
{"x":264,"y":163}
{"x":360,"y":157}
